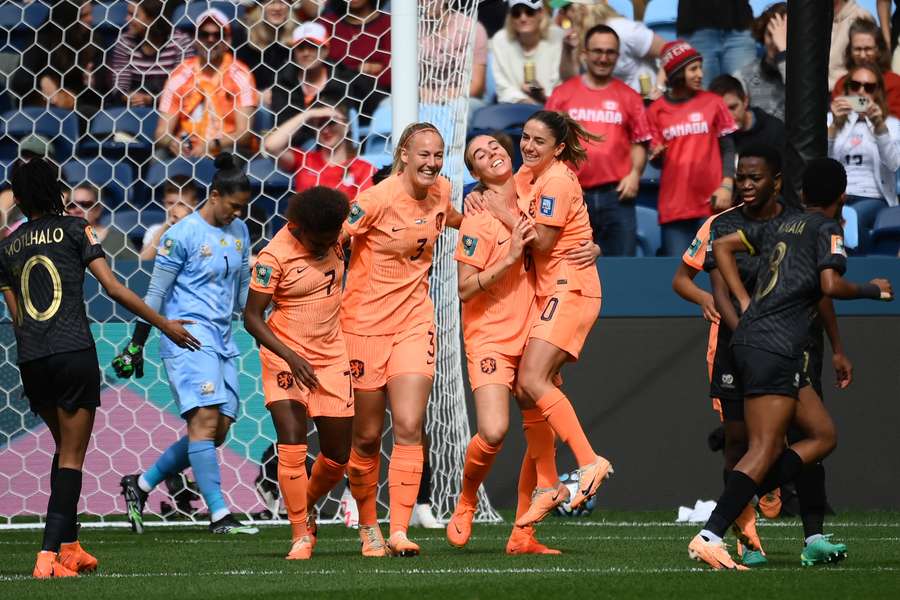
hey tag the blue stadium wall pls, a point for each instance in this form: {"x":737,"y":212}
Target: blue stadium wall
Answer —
{"x":640,"y":389}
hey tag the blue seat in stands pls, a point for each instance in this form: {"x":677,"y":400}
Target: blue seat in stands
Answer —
{"x":885,"y":238}
{"x":113,"y":179}
{"x":649,"y":237}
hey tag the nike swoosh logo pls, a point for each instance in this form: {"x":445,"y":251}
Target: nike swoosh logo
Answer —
{"x":301,"y":269}
{"x":456,"y":527}
{"x":396,"y":229}
{"x":501,"y":242}
{"x":349,"y":404}
{"x":293,"y":477}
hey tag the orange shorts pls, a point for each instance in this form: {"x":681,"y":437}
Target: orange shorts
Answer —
{"x":486,"y":368}
{"x":565,"y":320}
{"x":332,"y":398}
{"x":374,"y":359}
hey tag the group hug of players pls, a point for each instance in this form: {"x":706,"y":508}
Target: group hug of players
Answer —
{"x":530,"y":290}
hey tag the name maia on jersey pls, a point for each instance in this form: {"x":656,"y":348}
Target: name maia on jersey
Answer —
{"x":32,"y":238}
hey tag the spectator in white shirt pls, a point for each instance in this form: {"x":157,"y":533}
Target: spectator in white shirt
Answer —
{"x":867,"y":143}
{"x":180,"y":198}
{"x":527,"y":54}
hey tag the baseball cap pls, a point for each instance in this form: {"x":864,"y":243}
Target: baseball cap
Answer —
{"x":216,"y":15}
{"x":310,"y":31}
{"x":564,"y":3}
{"x":677,"y":55}
{"x":532,"y":4}
{"x":36,"y":145}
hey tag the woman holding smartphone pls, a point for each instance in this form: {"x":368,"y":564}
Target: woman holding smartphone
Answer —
{"x":864,"y":138}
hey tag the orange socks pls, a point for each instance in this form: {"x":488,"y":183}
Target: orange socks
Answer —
{"x":292,"y":481}
{"x":404,"y":474}
{"x":560,"y":413}
{"x":527,"y":483}
{"x":363,"y":474}
{"x":479,"y":457}
{"x":325,"y":475}
{"x":541,"y":449}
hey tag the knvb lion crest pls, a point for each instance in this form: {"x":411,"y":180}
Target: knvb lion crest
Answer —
{"x":285,"y":380}
{"x":357,"y":368}
{"x":488,"y":365}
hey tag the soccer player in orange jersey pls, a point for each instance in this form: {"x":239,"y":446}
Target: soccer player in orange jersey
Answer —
{"x":305,"y":369}
{"x":388,"y":322}
{"x":568,"y":296}
{"x":496,"y":285}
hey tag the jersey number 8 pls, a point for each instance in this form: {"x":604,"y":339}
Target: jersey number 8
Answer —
{"x":778,"y":255}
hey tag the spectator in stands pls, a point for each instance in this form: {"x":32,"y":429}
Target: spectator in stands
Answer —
{"x":867,"y":46}
{"x":265,"y":44}
{"x":147,"y":51}
{"x":67,"y":62}
{"x":527,"y":54}
{"x":180,"y":198}
{"x":763,"y":79}
{"x":692,"y":133}
{"x":307,"y":10}
{"x":444,"y":49}
{"x":638,"y":50}
{"x":332,"y":163}
{"x":309,"y":77}
{"x":611,"y":174}
{"x":360,"y":37}
{"x":846,"y":12}
{"x":868,"y":145}
{"x":208,"y":100}
{"x":84,"y":202}
{"x":720,"y":31}
{"x":755,"y":126}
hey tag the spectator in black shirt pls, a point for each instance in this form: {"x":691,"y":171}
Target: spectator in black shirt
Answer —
{"x":264,"y":44}
{"x":308,"y":77}
{"x":42,"y":278}
{"x":720,"y":31}
{"x":756,"y":126}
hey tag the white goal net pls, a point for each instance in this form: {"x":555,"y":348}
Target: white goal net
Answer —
{"x":88,"y":84}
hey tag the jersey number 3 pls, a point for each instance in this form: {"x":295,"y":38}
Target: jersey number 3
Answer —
{"x":778,"y":255}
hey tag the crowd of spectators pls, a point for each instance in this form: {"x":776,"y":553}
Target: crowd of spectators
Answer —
{"x":318,"y":68}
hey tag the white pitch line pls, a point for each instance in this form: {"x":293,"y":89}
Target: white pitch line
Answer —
{"x":462,"y":571}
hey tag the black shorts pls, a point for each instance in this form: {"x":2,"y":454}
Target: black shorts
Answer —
{"x":812,"y":369}
{"x":767,"y":373}
{"x":69,"y":380}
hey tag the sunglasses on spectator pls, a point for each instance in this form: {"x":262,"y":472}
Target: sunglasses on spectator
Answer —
{"x":209,"y":35}
{"x":854,"y":86}
{"x":518,"y":10}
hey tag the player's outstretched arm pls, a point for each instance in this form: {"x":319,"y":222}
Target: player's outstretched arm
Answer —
{"x":835,"y":286}
{"x":724,"y":250}
{"x":173,"y":329}
{"x":255,"y":324}
{"x":843,"y":368}
{"x":683,"y":284}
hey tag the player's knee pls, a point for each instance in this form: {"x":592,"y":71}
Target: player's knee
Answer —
{"x":408,"y":434}
{"x":493,"y":434}
{"x":367,"y":446}
{"x":341,"y":457}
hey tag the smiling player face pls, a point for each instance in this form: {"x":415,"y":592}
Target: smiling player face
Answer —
{"x":490,"y":161}
{"x":755,"y":183}
{"x":538,"y":146}
{"x":423,"y":158}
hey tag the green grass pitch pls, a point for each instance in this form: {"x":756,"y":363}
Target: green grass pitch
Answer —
{"x":608,"y":555}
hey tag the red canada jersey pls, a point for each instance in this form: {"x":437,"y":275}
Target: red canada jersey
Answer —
{"x":617,"y":112}
{"x":351,"y":178}
{"x":692,"y":167}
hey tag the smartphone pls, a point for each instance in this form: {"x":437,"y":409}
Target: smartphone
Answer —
{"x":859,"y":104}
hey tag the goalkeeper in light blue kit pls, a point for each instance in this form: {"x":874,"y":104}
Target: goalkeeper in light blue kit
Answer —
{"x":201,"y":274}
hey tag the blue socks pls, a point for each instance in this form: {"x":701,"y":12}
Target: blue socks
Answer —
{"x":173,"y":460}
{"x":203,"y":459}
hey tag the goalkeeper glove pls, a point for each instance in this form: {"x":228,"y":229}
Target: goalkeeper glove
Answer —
{"x":130,"y":362}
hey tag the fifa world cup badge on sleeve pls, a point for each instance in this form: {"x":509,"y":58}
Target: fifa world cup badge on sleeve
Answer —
{"x":91,"y":235}
{"x":694,"y":247}
{"x":167,"y":246}
{"x":469,"y":243}
{"x":547,"y":204}
{"x":263,"y":274}
{"x":356,"y":213}
{"x":837,"y":245}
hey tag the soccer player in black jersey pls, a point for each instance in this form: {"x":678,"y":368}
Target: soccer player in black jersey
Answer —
{"x":42,"y":278}
{"x":806,"y":261}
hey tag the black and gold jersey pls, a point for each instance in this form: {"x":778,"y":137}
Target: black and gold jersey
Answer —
{"x":43,"y":264}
